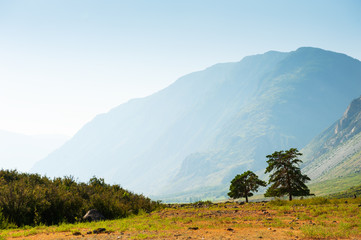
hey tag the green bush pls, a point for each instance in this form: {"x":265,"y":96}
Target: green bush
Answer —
{"x":31,"y":199}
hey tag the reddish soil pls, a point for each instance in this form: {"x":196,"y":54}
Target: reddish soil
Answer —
{"x":230,"y":221}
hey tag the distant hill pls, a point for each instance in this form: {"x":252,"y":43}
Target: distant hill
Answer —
{"x":193,"y":137}
{"x":349,"y":193}
{"x":336,"y":153}
{"x":19,"y":151}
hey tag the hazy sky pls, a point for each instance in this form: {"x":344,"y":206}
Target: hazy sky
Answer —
{"x":62,"y":62}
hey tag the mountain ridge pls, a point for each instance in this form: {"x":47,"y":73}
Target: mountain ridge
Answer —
{"x":224,"y":119}
{"x":20,"y":151}
{"x":337,"y":150}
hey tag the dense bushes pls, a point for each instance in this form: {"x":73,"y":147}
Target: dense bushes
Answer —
{"x":31,"y":199}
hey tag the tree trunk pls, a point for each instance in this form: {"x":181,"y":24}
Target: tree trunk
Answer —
{"x":290,"y":197}
{"x":246,"y":198}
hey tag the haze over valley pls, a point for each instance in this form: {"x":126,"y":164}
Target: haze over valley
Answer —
{"x":174,"y":99}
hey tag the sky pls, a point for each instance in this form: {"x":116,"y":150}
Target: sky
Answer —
{"x":62,"y":62}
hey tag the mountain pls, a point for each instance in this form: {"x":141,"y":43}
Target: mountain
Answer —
{"x":336,"y":152}
{"x":193,"y":137}
{"x":21,"y":152}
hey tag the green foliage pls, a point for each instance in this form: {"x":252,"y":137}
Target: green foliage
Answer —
{"x":202,"y":203}
{"x":286,"y":176}
{"x":30,"y":199}
{"x":243,"y":185}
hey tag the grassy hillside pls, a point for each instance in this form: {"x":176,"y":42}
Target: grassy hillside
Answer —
{"x":335,"y":185}
{"x":349,"y":193}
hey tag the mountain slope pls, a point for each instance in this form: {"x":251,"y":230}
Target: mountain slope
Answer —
{"x":336,"y":153}
{"x":199,"y":132}
{"x":19,"y":151}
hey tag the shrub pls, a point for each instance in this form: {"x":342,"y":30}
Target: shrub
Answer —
{"x":30,"y":199}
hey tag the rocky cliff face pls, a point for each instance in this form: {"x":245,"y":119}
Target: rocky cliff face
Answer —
{"x":197,"y":134}
{"x":334,"y":153}
{"x":350,"y":124}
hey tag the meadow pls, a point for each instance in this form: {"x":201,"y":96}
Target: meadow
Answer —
{"x":312,"y":218}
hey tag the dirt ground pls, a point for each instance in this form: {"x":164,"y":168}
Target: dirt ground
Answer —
{"x":244,"y":233}
{"x":229,"y":221}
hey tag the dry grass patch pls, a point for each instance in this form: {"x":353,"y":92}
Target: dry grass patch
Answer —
{"x":302,"y":219}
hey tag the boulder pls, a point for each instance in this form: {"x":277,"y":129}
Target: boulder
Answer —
{"x":93,"y":215}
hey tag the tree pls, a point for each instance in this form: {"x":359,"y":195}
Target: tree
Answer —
{"x":286,"y":176}
{"x":243,"y":185}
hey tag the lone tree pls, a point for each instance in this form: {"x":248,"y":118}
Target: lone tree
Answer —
{"x":243,"y":185}
{"x":286,"y":176}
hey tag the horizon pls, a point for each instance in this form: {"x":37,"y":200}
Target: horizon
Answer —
{"x":65,"y":62}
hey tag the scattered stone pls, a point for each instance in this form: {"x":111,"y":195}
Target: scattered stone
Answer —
{"x":193,"y":228}
{"x":76,"y":233}
{"x":230,"y":229}
{"x":90,"y":232}
{"x":99,"y":230}
{"x":93,"y":215}
{"x":291,"y":228}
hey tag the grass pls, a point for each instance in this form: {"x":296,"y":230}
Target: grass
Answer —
{"x":335,"y":185}
{"x":308,"y":218}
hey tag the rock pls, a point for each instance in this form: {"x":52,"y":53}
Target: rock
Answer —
{"x":99,"y":230}
{"x":93,"y":215}
{"x":76,"y":233}
{"x":193,"y":228}
{"x":230,"y":229}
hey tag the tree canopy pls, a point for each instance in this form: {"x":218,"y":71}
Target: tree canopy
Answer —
{"x":286,"y":176}
{"x":243,"y":185}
